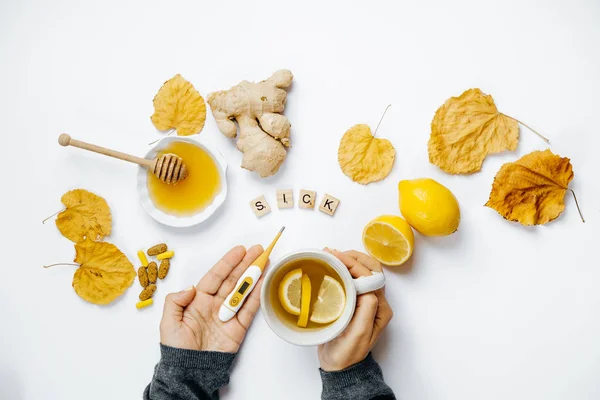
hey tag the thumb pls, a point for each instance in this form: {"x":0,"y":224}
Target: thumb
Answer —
{"x":176,"y":302}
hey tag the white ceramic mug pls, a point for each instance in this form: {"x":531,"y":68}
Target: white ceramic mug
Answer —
{"x":352,"y":287}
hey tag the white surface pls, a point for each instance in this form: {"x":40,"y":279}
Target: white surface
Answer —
{"x":494,"y":311}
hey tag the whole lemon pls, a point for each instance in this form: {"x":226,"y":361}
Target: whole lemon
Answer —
{"x":429,"y":207}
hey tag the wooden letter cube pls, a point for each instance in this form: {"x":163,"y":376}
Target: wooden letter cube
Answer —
{"x":329,"y":204}
{"x":260,"y":206}
{"x":307,"y":198}
{"x":285,"y":198}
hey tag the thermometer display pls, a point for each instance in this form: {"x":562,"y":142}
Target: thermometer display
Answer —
{"x":243,"y":288}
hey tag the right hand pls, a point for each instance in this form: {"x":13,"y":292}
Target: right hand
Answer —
{"x":372,"y":315}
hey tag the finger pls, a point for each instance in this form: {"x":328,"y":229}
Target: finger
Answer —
{"x":365,"y":260}
{"x":363,"y":320}
{"x":211,"y":282}
{"x":354,"y":266}
{"x":381,"y":297}
{"x":250,"y":308}
{"x":229,"y":283}
{"x":175,"y":303}
{"x":383,"y":317}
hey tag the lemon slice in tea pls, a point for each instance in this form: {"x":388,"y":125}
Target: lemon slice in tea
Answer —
{"x":330,"y":303}
{"x":290,"y":291}
{"x":305,"y":300}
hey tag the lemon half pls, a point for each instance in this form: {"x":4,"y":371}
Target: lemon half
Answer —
{"x":389,"y":239}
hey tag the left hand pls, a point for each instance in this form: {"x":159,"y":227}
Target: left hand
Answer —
{"x":190,"y":317}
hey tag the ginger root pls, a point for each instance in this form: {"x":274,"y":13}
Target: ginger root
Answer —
{"x":264,"y":133}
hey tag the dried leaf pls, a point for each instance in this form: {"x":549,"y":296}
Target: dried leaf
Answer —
{"x":105,"y":272}
{"x":363,"y":157}
{"x":86,"y":216}
{"x":466,"y":129}
{"x":532,"y":189}
{"x":177,"y":105}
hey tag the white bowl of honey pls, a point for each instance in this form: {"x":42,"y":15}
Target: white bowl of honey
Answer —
{"x":192,"y":200}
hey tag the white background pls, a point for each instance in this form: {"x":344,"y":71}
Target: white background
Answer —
{"x":495,"y":311}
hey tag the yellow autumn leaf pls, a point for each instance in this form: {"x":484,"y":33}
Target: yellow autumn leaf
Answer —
{"x":466,"y":129}
{"x":363,"y":157}
{"x":104,"y":273}
{"x":177,"y":105}
{"x":86,"y":216}
{"x":532,"y":189}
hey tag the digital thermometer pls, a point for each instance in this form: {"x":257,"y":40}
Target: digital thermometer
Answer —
{"x":246,"y":283}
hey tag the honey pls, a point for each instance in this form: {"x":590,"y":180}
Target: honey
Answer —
{"x":194,"y":193}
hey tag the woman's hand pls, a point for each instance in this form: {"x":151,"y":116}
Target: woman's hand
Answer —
{"x":372,"y":315}
{"x":190,"y":317}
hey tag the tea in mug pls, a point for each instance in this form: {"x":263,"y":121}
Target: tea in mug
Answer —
{"x":327,"y":294}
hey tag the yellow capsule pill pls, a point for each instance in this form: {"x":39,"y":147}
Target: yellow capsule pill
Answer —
{"x":145,"y":303}
{"x":142,"y":257}
{"x":166,"y":254}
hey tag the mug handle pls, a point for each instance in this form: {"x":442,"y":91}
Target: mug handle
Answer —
{"x":366,"y":284}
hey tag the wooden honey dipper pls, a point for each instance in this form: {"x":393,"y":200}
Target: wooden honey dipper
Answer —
{"x":169,"y":168}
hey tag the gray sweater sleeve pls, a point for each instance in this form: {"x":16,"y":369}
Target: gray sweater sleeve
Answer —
{"x":189,"y":374}
{"x":362,"y":381}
